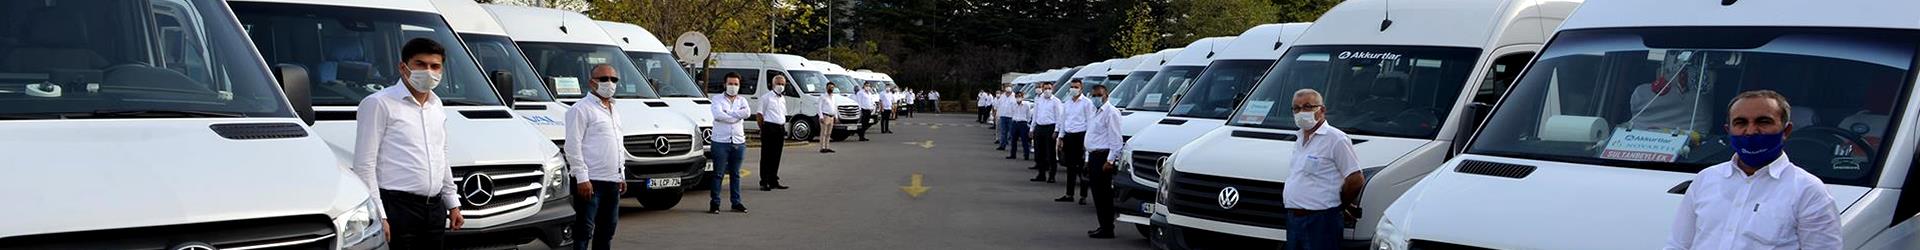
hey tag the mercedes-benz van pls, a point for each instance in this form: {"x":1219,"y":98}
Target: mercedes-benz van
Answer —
{"x":847,"y":112}
{"x":665,"y":75}
{"x":153,"y":124}
{"x":353,"y":48}
{"x":1554,"y":167}
{"x":663,"y":147}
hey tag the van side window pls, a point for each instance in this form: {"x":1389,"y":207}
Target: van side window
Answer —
{"x":1499,"y":76}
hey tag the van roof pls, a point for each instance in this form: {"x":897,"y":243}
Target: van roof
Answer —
{"x":736,"y":60}
{"x":1153,"y":62}
{"x":1094,"y":69}
{"x":1200,"y":52}
{"x":788,"y":62}
{"x":633,"y":38}
{"x":1125,"y":66}
{"x":1896,"y":14}
{"x":1264,"y":42}
{"x":1458,"y":23}
{"x":468,"y":17}
{"x":529,"y":24}
{"x":406,"y":5}
{"x":829,"y":68}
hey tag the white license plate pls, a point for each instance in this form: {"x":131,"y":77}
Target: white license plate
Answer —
{"x":709,"y":167}
{"x":659,"y":183}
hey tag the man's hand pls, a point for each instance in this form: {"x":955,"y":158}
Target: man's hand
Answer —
{"x":586,"y":189}
{"x":454,"y":214}
{"x":623,"y":187}
{"x":1108,"y":168}
{"x":386,"y":230}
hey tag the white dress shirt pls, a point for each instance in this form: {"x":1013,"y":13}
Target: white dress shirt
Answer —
{"x":595,"y":148}
{"x":1021,"y":112}
{"x":827,"y":108}
{"x":1103,"y":132}
{"x":401,"y":145}
{"x":728,"y":112}
{"x":1046,"y":110}
{"x":887,"y":99}
{"x":773,"y":108}
{"x":1320,"y":166}
{"x":983,"y":99}
{"x":1074,"y":114}
{"x":1780,"y":206}
{"x":1003,"y":104}
{"x":864,"y":99}
{"x":934,"y":96}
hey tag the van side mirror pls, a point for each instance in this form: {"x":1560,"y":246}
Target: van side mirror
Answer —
{"x":503,"y":85}
{"x":294,"y":81}
{"x":1470,"y":120}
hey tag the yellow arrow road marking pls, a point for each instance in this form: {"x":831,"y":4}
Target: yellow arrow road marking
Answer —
{"x":915,"y":189}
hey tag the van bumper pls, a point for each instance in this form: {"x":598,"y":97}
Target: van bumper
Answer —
{"x":1131,"y":199}
{"x":550,"y":226}
{"x":688,"y":169}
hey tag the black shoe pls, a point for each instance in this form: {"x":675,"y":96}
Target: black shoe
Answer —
{"x":1009,"y":157}
{"x":1083,"y":200}
{"x":1103,"y":233}
{"x":826,"y":151}
{"x":764,"y":187}
{"x":778,"y":186}
{"x":714,"y":209}
{"x":739,"y":209}
{"x":1068,"y":198}
{"x":1049,"y":180}
{"x":863,"y":139}
{"x":1037,"y":179}
{"x":999,"y":148}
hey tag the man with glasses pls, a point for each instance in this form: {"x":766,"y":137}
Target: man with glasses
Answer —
{"x":595,"y":148}
{"x":1326,"y":179}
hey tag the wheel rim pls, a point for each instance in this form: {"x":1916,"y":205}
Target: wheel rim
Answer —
{"x":800,"y":130}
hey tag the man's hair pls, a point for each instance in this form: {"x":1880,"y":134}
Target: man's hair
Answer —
{"x":1098,"y":88}
{"x":732,"y":75}
{"x":1786,"y":110}
{"x":420,"y":46}
{"x":1074,"y":81}
{"x":1306,"y":92}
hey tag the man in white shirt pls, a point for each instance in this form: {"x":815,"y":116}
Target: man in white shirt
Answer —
{"x":1103,"y":149}
{"x":887,"y":101}
{"x":1021,"y":142}
{"x":1003,"y":118}
{"x":908,"y":96}
{"x":933,"y":99}
{"x":864,"y":96}
{"x":828,"y":109}
{"x":729,"y":143}
{"x":1758,"y":200}
{"x":1326,"y":180}
{"x":773,"y":132}
{"x":983,"y":101}
{"x":400,"y":152}
{"x":1074,"y":113}
{"x":1046,"y":114}
{"x":596,"y":150}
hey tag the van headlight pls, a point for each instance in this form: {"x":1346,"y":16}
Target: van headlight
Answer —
{"x":556,"y":178}
{"x":359,"y":225}
{"x":1388,"y":236}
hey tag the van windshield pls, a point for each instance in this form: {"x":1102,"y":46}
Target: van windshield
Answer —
{"x":569,"y":66}
{"x":843,"y":84}
{"x":1219,"y":89}
{"x":1157,"y":95}
{"x":498,"y":54}
{"x":1125,"y":92}
{"x":665,"y":74}
{"x":1399,"y":91}
{"x":809,"y":81}
{"x":129,"y":59}
{"x":353,"y":52}
{"x":1656,"y":98}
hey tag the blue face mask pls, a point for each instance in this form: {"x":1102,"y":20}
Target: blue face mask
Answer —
{"x":1757,"y":150}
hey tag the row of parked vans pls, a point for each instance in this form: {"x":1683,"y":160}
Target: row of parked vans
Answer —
{"x":166,"y":124}
{"x":1498,"y":124}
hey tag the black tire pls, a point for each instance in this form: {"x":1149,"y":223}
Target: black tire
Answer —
{"x":657,"y":201}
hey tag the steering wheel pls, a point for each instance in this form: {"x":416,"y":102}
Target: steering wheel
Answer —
{"x":1818,"y":143}
{"x":1429,"y":116}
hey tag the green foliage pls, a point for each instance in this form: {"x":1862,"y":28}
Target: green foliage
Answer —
{"x":1195,"y":19}
{"x":1139,"y":35}
{"x":863,"y":55}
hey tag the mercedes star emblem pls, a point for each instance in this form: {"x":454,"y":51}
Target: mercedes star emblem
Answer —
{"x":477,"y":189}
{"x":660,"y":145}
{"x":1228,"y":197}
{"x":193,"y":246}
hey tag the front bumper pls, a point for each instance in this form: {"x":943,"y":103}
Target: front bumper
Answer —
{"x":688,"y":169}
{"x":550,"y":226}
{"x":1131,"y":199}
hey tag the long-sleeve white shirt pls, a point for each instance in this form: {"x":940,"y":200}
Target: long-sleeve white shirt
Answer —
{"x":1020,"y":112}
{"x":1103,"y":132}
{"x":773,"y":107}
{"x":933,"y":96}
{"x":595,"y":148}
{"x":864,"y":99}
{"x":827,"y":106}
{"x":1074,"y":114}
{"x":1046,"y":111}
{"x":983,"y":99}
{"x":728,"y":112}
{"x":401,"y":145}
{"x":887,"y":99}
{"x":1780,"y":206}
{"x":1001,"y":105}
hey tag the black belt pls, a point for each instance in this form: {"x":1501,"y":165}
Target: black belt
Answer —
{"x":1305,"y":212}
{"x":407,"y":197}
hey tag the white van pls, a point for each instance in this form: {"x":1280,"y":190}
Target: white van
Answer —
{"x":1151,"y":102}
{"x":663,"y":147}
{"x":1092,"y":74}
{"x":805,"y":84}
{"x":848,"y":112}
{"x":193,"y":145}
{"x":1391,"y":90}
{"x":1117,"y":76}
{"x":353,"y":48}
{"x":1136,"y":79}
{"x":1546,"y":170}
{"x":665,"y":75}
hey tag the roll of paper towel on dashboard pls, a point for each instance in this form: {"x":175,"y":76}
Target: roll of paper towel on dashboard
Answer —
{"x":1567,"y":128}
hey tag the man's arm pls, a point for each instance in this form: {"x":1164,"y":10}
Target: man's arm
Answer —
{"x":576,"y":133}
{"x":368,"y":132}
{"x":720,"y":110}
{"x":1819,"y":226}
{"x":1681,"y":235}
{"x":1349,"y":164}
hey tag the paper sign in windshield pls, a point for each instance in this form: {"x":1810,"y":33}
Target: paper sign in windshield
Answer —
{"x":1256,"y":112}
{"x":566,"y":85}
{"x":1644,"y":145}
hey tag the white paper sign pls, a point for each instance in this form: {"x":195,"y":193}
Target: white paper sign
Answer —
{"x":1153,"y":99}
{"x":1644,"y":145}
{"x":566,"y":85}
{"x":1256,"y":112}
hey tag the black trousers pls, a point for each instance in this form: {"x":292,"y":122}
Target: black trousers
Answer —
{"x":1075,"y":150}
{"x":982,"y":116}
{"x":866,"y":121}
{"x":886,"y":117}
{"x":418,"y":222}
{"x":1102,"y":183}
{"x":1045,"y":142}
{"x":772,"y":137}
{"x":596,"y":216}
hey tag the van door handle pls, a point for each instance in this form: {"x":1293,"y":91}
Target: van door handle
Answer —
{"x":1680,"y":189}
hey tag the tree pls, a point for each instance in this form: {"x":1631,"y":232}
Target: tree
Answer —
{"x":1196,"y":19}
{"x":732,"y":25}
{"x":1303,"y":10}
{"x":864,"y":55}
{"x":1139,"y":36}
{"x":570,"y":5}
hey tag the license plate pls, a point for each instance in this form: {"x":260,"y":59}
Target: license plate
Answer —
{"x":659,"y":183}
{"x":709,"y":167}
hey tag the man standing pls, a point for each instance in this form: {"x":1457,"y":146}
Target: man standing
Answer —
{"x":828,"y":115}
{"x":864,"y":97}
{"x":933,"y":99}
{"x":597,"y":152}
{"x":1758,"y":200}
{"x":1046,"y":112}
{"x":1104,"y":146}
{"x":773,"y":133}
{"x":1326,"y":177}
{"x":1002,"y":117}
{"x":887,"y":99}
{"x":983,"y":101}
{"x":1075,"y":112}
{"x":729,"y":143}
{"x":400,"y":150}
{"x":1021,"y":142}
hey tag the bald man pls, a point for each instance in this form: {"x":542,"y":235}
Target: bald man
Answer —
{"x":595,"y":149}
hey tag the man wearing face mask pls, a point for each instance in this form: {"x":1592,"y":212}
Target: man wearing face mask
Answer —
{"x":1326,"y":179}
{"x":1103,"y":150}
{"x":888,"y":99}
{"x":400,"y":150}
{"x":1002,"y":117}
{"x":729,"y":143}
{"x":864,"y":97}
{"x":595,"y":148}
{"x":983,"y":101}
{"x":1759,"y":192}
{"x":773,"y":133}
{"x":1075,"y":112}
{"x":1046,"y":113}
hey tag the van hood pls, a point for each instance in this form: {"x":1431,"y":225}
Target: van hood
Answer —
{"x":1557,"y":206}
{"x":691,"y":107}
{"x":1219,"y":153}
{"x":1135,"y":121}
{"x":77,"y":175}
{"x":469,"y":141}
{"x":551,"y":122}
{"x":636,"y":118}
{"x":1166,"y":138}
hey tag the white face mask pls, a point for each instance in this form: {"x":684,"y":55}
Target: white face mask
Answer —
{"x":1073,"y":91}
{"x":733,"y":90}
{"x":603,"y":89}
{"x":1304,"y":120}
{"x":779,"y":88}
{"x":422,"y":80}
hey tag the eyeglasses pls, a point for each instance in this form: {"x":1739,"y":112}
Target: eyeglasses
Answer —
{"x":1307,"y":107}
{"x":606,"y":79}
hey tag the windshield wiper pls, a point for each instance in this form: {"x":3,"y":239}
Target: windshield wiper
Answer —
{"x":153,"y":113}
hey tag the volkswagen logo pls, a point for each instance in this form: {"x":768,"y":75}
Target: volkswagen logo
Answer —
{"x":1228,"y":197}
{"x":477,"y":189}
{"x":661,"y":146}
{"x":193,"y":246}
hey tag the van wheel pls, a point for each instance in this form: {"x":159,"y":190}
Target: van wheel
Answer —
{"x":657,"y":201}
{"x":800,"y":128}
